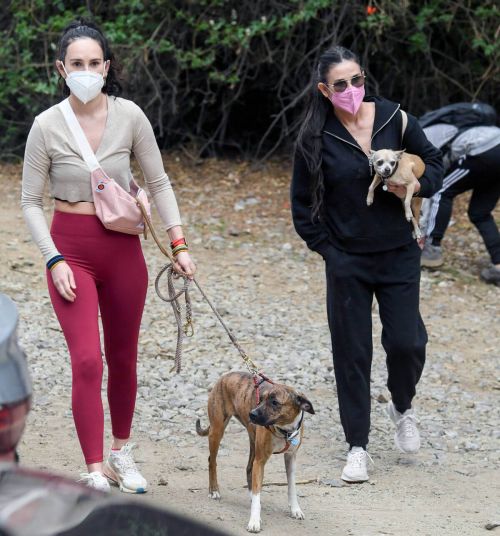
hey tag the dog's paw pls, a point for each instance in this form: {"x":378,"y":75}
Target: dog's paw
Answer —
{"x":297,"y":513}
{"x":214,"y":495}
{"x":254,"y":525}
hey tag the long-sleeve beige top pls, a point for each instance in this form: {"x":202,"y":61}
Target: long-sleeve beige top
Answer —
{"x":52,"y":155}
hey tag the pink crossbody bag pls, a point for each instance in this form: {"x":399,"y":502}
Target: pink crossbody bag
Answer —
{"x":117,"y":209}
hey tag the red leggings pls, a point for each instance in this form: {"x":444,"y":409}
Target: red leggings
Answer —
{"x":111,"y":277}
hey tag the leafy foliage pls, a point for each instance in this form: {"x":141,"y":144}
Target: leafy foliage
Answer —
{"x":224,"y":76}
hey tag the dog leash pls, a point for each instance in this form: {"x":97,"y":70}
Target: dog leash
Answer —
{"x":173,"y":298}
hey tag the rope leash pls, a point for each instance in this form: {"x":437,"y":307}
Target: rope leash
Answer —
{"x":173,"y":298}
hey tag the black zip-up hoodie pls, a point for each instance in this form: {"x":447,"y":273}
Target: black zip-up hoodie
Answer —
{"x":347,"y":222}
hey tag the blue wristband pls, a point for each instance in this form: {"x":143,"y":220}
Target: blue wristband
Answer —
{"x":54,"y":260}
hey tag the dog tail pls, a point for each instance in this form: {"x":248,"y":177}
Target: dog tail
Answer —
{"x":200,"y":431}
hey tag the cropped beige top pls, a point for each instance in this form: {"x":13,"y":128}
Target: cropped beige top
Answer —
{"x":52,"y":153}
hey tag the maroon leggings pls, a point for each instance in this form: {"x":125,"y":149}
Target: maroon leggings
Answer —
{"x":111,"y":277}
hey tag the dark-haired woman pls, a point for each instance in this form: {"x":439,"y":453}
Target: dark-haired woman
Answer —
{"x":90,"y":268}
{"x":367,"y":250}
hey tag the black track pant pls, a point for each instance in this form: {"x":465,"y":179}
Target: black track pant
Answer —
{"x":352,"y":281}
{"x":481,"y":174}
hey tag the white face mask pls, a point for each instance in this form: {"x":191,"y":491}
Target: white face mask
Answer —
{"x":85,"y":85}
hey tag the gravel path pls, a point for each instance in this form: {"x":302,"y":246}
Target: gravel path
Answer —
{"x":270,"y":289}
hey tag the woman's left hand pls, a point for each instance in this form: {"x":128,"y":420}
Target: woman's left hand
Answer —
{"x":184,"y":264}
{"x":400,"y":191}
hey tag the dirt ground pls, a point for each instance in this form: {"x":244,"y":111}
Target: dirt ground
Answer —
{"x":449,"y":488}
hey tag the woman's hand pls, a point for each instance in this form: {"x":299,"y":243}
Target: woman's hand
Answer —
{"x":400,"y":191}
{"x":184,"y":264}
{"x":64,"y":281}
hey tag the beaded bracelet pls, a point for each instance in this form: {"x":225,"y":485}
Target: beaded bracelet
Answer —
{"x":54,"y":261}
{"x":179,"y":248}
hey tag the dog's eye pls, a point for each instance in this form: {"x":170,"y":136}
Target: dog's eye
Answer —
{"x":275,"y":403}
{"x":392,"y":162}
{"x":380,"y":162}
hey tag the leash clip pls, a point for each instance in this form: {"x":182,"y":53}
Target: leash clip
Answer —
{"x":188,"y":328}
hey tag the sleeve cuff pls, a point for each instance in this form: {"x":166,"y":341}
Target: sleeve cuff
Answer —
{"x":425,"y":188}
{"x":322,"y":248}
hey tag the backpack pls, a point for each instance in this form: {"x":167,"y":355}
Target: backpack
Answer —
{"x":461,"y":129}
{"x":474,"y":141}
{"x":463,"y":115}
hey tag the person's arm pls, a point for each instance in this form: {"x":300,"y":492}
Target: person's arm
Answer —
{"x":311,"y":231}
{"x":416,"y":142}
{"x":35,"y":174}
{"x":148,"y":155}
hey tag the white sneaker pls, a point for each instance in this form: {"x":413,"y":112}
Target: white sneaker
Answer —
{"x":121,"y":469}
{"x":355,"y":469}
{"x":95,"y":480}
{"x":407,"y":437}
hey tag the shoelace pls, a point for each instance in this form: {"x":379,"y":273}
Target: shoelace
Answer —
{"x":358,"y":457}
{"x":124,"y":459}
{"x":407,"y":424}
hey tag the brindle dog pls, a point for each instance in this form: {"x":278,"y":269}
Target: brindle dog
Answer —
{"x":276,"y":426}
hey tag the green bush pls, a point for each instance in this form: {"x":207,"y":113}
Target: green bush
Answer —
{"x":220,"y":76}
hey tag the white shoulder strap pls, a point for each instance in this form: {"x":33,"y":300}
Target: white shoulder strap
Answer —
{"x":77,"y":131}
{"x":404,"y":123}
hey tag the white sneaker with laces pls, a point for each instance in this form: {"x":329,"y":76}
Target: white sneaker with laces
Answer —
{"x":95,"y":480}
{"x":121,"y":469}
{"x":355,"y":468}
{"x":407,"y":437}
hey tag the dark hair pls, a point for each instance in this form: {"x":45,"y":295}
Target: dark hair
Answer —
{"x":85,"y":29}
{"x":310,"y":134}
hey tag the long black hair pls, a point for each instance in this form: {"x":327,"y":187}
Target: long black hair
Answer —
{"x":86,"y":29}
{"x":310,"y":134}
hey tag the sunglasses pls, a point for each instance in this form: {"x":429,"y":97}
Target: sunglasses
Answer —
{"x":341,"y":85}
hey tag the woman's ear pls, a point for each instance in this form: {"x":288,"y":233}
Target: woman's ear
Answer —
{"x":60,"y":68}
{"x":323,"y":89}
{"x":107,"y":63}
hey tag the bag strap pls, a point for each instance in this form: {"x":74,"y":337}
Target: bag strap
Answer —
{"x":404,"y":124}
{"x":77,"y":131}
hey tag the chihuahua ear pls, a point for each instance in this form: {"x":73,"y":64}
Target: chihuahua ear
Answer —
{"x":305,"y":405}
{"x":399,"y":154}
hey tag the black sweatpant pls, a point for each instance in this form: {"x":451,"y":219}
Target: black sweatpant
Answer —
{"x":352,"y":281}
{"x":481,"y":174}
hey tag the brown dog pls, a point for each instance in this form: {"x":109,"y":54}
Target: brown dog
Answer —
{"x":275,"y":426}
{"x":400,"y":169}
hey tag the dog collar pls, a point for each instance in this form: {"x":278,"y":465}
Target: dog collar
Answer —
{"x":385,"y":179}
{"x":291,"y":438}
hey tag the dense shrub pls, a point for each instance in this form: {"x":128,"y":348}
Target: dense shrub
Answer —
{"x":232,"y":76}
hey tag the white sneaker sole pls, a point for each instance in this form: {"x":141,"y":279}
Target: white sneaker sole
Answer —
{"x":111,"y":475}
{"x":351,"y":480}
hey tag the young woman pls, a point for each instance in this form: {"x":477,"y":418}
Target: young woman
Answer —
{"x":90,"y":268}
{"x":368,"y":250}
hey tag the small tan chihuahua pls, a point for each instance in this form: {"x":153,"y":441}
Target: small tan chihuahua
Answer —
{"x":400,"y":169}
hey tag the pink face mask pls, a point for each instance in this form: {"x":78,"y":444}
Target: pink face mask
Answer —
{"x":349,"y":100}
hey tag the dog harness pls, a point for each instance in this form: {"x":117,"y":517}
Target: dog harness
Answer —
{"x":258,"y":382}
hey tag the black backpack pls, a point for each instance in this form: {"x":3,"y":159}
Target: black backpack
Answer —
{"x":463,"y":115}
